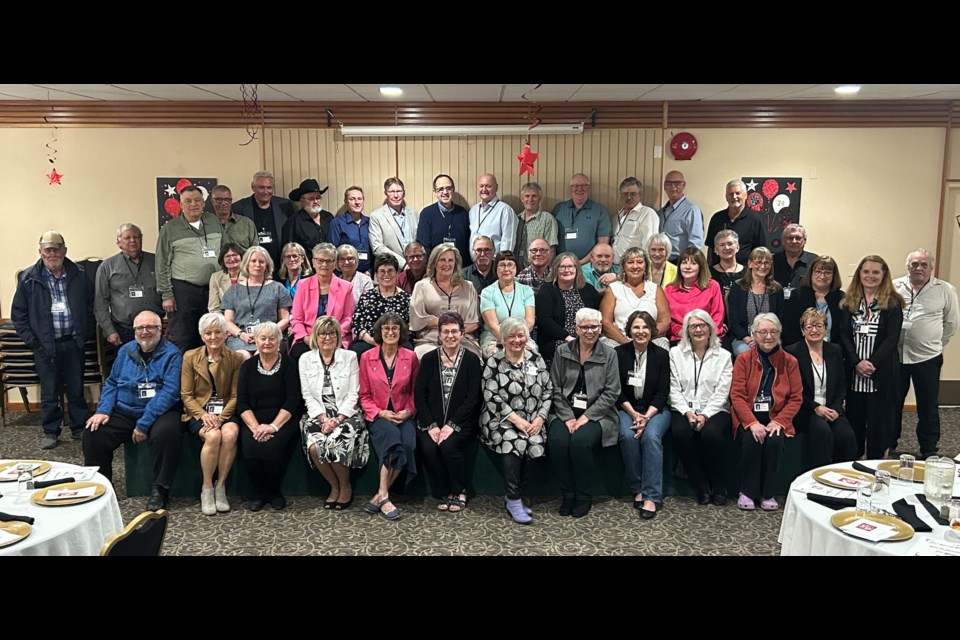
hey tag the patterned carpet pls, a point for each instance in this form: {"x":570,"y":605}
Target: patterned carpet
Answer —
{"x":612,"y":528}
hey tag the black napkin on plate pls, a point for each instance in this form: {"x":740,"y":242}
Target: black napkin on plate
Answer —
{"x":908,"y":513}
{"x":40,"y":484}
{"x":6,"y":517}
{"x":864,"y":468}
{"x":932,"y":510}
{"x":830,"y":501}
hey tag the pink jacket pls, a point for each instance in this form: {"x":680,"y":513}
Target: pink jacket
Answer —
{"x":374,"y":390}
{"x":340,"y":305}
{"x":684,"y":301}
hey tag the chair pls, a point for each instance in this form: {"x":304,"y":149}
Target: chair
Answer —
{"x":143,"y":536}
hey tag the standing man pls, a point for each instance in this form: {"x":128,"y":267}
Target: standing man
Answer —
{"x":680,"y":220}
{"x":790,"y":264}
{"x":126,"y":285}
{"x":636,"y":222}
{"x":492,"y":216}
{"x":187,"y":252}
{"x":539,"y":255}
{"x":309,"y":226}
{"x":481,"y":272}
{"x":394,"y":225}
{"x":53,"y":314}
{"x":736,"y":216}
{"x":533,"y":223}
{"x":268,"y":212}
{"x":601,"y":271}
{"x":237,"y":229}
{"x":929,"y":321}
{"x":445,"y":221}
{"x":353,"y":228}
{"x":585,"y":223}
{"x":416,"y":268}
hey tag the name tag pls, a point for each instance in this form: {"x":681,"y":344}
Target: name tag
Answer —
{"x":146,"y":390}
{"x":863,"y":329}
{"x":580,"y":401}
{"x":820,"y":399}
{"x":58,"y":307}
{"x":786,"y":293}
{"x":361,"y":255}
{"x":265,"y":237}
{"x":214,"y":406}
{"x":450,"y":240}
{"x":762,"y":404}
{"x":570,"y":235}
{"x":135,"y":292}
{"x":327,"y":391}
{"x":251,"y":326}
{"x":532,"y":370}
{"x":696,"y":405}
{"x":207,"y":252}
{"x":636,"y":381}
{"x":907,"y":324}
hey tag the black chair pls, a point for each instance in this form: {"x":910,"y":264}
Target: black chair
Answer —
{"x":142,"y":537}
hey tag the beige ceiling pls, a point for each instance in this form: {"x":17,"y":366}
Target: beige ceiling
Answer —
{"x":476,"y":92}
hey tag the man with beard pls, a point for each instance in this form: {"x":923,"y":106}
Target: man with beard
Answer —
{"x":309,"y":226}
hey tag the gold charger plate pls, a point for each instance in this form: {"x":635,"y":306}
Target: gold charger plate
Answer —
{"x":852,"y":473}
{"x":21,"y":529}
{"x":38,"y":495}
{"x":893,"y":466}
{"x":39,"y":471}
{"x":904,"y":530}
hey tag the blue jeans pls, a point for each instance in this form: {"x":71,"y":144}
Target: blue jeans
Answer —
{"x":66,"y":365}
{"x":643,"y":457}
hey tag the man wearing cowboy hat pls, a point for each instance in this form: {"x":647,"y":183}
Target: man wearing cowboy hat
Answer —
{"x":268,"y":212}
{"x":308,"y":226}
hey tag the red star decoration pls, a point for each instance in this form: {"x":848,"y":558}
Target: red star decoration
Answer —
{"x":791,"y":186}
{"x":527,"y":158}
{"x":54,"y":177}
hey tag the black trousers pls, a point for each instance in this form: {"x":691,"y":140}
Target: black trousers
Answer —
{"x":828,"y":441}
{"x":64,"y":365}
{"x":516,"y":473}
{"x":184,"y":325}
{"x":702,"y":452}
{"x":759,"y":463}
{"x":926,"y":387}
{"x":166,"y":444}
{"x":573,"y":459}
{"x":870,"y":415}
{"x":446,"y":464}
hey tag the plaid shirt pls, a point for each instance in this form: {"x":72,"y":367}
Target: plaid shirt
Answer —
{"x":529,"y":278}
{"x":62,"y":320}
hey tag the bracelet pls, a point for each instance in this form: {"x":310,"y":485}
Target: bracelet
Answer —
{"x":276,"y":429}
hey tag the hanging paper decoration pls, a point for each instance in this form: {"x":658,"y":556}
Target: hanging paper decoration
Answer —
{"x":250,"y":111}
{"x":527,"y":158}
{"x":54,"y":177}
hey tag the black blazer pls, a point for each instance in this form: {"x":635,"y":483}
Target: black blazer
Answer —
{"x":737,"y":301}
{"x":885,"y":356}
{"x":301,"y":228}
{"x":656,"y":388}
{"x":801,"y":300}
{"x":464,"y":406}
{"x":282,"y":211}
{"x":551,"y":312}
{"x":836,"y":378}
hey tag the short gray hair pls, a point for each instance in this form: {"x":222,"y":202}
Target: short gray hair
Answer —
{"x":268,"y":272}
{"x":586,"y":313}
{"x":208,"y":320}
{"x":765,"y":317}
{"x":268,"y":327}
{"x":126,"y":226}
{"x":726,"y":233}
{"x":511,"y":324}
{"x":662,"y":240}
{"x":795,"y":227}
{"x":933,"y":259}
{"x":703,"y":316}
{"x":736,"y":183}
{"x":324,"y":248}
{"x":262,"y":174}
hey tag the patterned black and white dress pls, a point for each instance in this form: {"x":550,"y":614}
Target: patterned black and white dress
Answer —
{"x":349,"y":442}
{"x":523,"y":388}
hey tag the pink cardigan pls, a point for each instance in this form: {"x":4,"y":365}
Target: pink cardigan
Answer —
{"x":683,"y":302}
{"x":340,"y":305}
{"x":374,"y":390}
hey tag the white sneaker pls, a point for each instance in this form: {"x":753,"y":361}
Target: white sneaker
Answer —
{"x":207,"y":502}
{"x":220,"y":494}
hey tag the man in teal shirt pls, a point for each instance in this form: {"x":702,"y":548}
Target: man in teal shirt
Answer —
{"x":584,"y":222}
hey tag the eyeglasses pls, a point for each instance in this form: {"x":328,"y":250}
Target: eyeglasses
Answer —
{"x":579,"y":187}
{"x":323,"y":261}
{"x":223,"y":199}
{"x":589,"y":328}
{"x":794,"y":239}
{"x":506,"y":265}
{"x":535,"y":250}
{"x":450,"y":332}
{"x":393,"y":192}
{"x":482,"y":251}
{"x":323,"y":335}
{"x":390,"y":328}
{"x":566,"y":267}
{"x":673,"y":183}
{"x":814,"y":327}
{"x":444,"y":190}
{"x":697,"y":327}
{"x":347,"y":259}
{"x":762,"y":263}
{"x":317,"y":199}
{"x":767,"y":332}
{"x":630,"y":194}
{"x":415,"y":256}
{"x":823,"y":272}
{"x":293,"y":257}
{"x":148,"y":328}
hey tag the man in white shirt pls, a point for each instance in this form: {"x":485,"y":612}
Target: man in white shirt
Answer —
{"x":930,"y":319}
{"x":492,"y":217}
{"x":636,"y":223}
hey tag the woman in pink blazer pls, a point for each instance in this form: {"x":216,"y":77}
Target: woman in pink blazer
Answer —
{"x":322,"y":294}
{"x":387,"y":374}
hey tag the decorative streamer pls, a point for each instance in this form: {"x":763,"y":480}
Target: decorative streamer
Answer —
{"x":250,"y":111}
{"x":53,"y":176}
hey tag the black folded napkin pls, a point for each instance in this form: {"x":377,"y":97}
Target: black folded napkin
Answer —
{"x":934,"y":511}
{"x":864,"y":468}
{"x":908,"y":513}
{"x":830,"y":501}
{"x":6,"y":517}
{"x":40,"y":484}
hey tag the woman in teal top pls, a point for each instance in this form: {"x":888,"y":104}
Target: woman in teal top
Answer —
{"x":506,"y":298}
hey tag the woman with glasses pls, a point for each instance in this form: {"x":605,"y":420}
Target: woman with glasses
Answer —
{"x":765,"y":397}
{"x":821,"y":417}
{"x":385,"y":297}
{"x":693,"y":288}
{"x":347,"y":261}
{"x":231,"y":255}
{"x":443,"y":290}
{"x":755,"y":293}
{"x":820,"y":289}
{"x":323,"y":294}
{"x":586,"y":385}
{"x":506,"y":298}
{"x":295,"y":266}
{"x":260,"y":299}
{"x":728,"y":270}
{"x":562,"y":295}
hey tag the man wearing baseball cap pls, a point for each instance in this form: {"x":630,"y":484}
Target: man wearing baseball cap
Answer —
{"x":53,"y":314}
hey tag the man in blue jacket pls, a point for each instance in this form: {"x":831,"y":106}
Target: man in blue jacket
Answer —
{"x":140,"y":401}
{"x":53,"y":314}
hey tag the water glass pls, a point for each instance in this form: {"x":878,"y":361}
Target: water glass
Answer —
{"x":864,"y":499}
{"x":938,"y":480}
{"x":24,"y":477}
{"x":905,"y":472}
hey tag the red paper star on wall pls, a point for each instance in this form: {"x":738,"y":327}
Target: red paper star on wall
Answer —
{"x":54,"y":177}
{"x":527,"y":158}
{"x":791,"y":186}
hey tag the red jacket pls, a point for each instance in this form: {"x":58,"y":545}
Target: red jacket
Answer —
{"x":787,"y":389}
{"x":374,"y":390}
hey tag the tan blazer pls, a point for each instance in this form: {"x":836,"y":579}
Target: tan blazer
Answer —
{"x":195,"y":385}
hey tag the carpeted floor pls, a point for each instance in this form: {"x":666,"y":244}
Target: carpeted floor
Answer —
{"x":305,"y":528}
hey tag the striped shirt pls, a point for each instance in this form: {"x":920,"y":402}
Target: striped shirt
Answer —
{"x":865,"y":324}
{"x":59,"y":307}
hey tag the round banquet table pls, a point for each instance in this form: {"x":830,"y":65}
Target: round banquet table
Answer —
{"x":74,"y":530}
{"x":805,"y":529}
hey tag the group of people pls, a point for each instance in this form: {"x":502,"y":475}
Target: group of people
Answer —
{"x":542,"y":334}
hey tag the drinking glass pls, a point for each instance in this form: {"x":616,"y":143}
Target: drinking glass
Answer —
{"x":905,"y":472}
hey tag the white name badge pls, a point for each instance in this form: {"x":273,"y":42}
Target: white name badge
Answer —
{"x":146,"y":390}
{"x":636,"y":381}
{"x":251,"y":327}
{"x":863,"y":329}
{"x":135,"y":292}
{"x":361,"y":255}
{"x":58,"y":307}
{"x":327,"y":391}
{"x":208,"y":253}
{"x":214,"y":406}
{"x":265,"y":238}
{"x":696,"y":405}
{"x":907,"y":324}
{"x":786,"y":293}
{"x":532,"y":370}
{"x":763,"y":407}
{"x":580,"y":401}
{"x":570,"y":235}
{"x":450,"y":240}
{"x":820,"y":399}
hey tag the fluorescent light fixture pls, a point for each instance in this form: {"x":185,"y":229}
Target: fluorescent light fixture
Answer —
{"x":391,"y":92}
{"x":847,"y":89}
{"x":455,"y":131}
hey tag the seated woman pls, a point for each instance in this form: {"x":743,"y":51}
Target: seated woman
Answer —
{"x":443,"y":290}
{"x":561,"y":296}
{"x":662,"y":271}
{"x":700,"y":376}
{"x":693,"y":288}
{"x":385,"y":297}
{"x":764,"y":399}
{"x":231,"y":255}
{"x":347,"y":261}
{"x":295,"y":267}
{"x":268,"y":398}
{"x":644,"y":387}
{"x":208,"y":389}
{"x":517,"y":396}
{"x":506,"y":298}
{"x":819,"y":288}
{"x":387,"y":373}
{"x":821,"y":416}
{"x":633,"y":292}
{"x":332,"y":428}
{"x":447,"y":397}
{"x":586,"y":385}
{"x":755,"y":293}
{"x":260,"y":299}
{"x":323,"y":294}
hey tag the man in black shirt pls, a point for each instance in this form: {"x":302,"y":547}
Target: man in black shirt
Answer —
{"x":268,"y":212}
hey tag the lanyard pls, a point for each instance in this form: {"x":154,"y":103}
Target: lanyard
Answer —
{"x":135,"y":276}
{"x":513,"y":299}
{"x":480,"y":217}
{"x":395,"y":216}
{"x":757,"y":305}
{"x":640,"y":362}
{"x":449,"y":295}
{"x":623,"y":220}
{"x":696,"y":373}
{"x":821,"y":373}
{"x":256,"y":300}
{"x":203,"y":228}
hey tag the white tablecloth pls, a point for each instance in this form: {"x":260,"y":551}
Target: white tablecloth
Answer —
{"x":75,"y":530}
{"x":806,"y":530}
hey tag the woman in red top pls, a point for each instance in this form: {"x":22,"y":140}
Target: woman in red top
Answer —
{"x":693,"y":288}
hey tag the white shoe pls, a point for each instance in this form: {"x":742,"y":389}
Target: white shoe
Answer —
{"x":220,"y":495}
{"x":207,"y":502}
